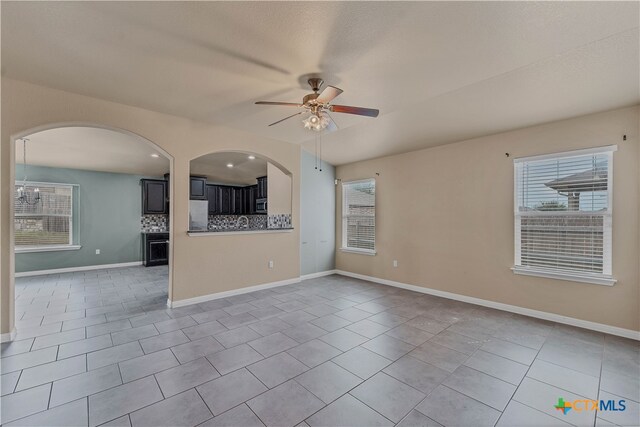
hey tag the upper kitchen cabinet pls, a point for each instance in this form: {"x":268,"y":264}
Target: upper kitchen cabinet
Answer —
{"x":231,"y":200}
{"x":226,"y":200}
{"x":250,"y":194}
{"x":214,"y":197}
{"x":198,"y":188}
{"x":262,"y":188}
{"x":154,"y":197}
{"x":238,"y":201}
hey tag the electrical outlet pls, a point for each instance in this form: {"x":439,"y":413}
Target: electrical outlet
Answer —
{"x":97,"y":251}
{"x":395,"y":262}
{"x":270,"y":264}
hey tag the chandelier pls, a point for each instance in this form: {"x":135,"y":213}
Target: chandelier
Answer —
{"x":24,"y":198}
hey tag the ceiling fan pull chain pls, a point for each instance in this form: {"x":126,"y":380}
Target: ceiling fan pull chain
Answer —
{"x":316,"y":156}
{"x":320,"y":136}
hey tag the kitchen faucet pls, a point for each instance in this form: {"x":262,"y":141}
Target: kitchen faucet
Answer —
{"x":240,"y":220}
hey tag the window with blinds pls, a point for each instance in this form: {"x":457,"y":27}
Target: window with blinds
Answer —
{"x":48,"y":222}
{"x":359,"y":215}
{"x":563,"y":215}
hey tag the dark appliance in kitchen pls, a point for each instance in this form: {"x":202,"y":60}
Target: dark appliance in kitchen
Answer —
{"x":261,"y":206}
{"x":155,"y":249}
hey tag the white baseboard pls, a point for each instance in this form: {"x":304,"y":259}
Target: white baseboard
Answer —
{"x":600,"y":327}
{"x":225,"y":294}
{"x":74,"y":269}
{"x":319,"y":274}
{"x":218,"y":295}
{"x":9,"y":336}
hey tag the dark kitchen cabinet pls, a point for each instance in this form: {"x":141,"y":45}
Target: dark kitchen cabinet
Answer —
{"x":238,"y":201}
{"x":226,"y":200}
{"x":198,"y":188}
{"x":214,"y":195}
{"x":155,"y":249}
{"x":252,"y":199}
{"x":249,"y":199}
{"x":262,"y":188}
{"x":230,"y":200}
{"x":221,"y":199}
{"x":154,"y":197}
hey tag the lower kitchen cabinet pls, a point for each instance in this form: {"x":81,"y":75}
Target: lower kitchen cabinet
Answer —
{"x":155,"y":249}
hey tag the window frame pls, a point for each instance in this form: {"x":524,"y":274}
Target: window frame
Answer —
{"x":606,"y":277}
{"x":72,"y":245}
{"x":344,"y":246}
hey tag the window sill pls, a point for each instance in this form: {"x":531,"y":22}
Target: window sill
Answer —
{"x":29,"y":249}
{"x":358,"y":251}
{"x":584,"y":278}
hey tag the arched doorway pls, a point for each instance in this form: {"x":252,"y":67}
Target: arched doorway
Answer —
{"x":120,"y":157}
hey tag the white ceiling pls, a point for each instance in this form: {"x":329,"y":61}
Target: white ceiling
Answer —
{"x":92,"y":149}
{"x":244,"y":170}
{"x":438,"y":71}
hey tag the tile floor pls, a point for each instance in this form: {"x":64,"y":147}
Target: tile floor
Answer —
{"x":101,"y":348}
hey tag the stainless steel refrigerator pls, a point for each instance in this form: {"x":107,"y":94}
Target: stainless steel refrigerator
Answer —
{"x":198,"y":215}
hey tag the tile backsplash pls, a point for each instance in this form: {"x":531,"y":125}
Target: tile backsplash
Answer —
{"x":154,"y":223}
{"x":220,"y":222}
{"x":223,"y":222}
{"x":279,"y":221}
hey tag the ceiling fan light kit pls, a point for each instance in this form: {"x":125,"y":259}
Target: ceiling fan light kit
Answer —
{"x":316,"y":122}
{"x":318,"y":104}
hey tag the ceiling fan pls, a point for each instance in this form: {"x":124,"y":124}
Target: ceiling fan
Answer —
{"x":318,"y":105}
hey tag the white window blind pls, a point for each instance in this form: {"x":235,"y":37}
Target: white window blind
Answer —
{"x":359,"y":215}
{"x":47,"y":223}
{"x":563,"y":214}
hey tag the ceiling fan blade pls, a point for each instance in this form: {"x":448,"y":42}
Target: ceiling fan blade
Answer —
{"x":288,"y":117}
{"x":327,"y":94}
{"x":370,"y":112}
{"x":286,"y":104}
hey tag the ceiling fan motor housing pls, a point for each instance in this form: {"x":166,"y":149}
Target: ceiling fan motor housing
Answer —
{"x":315,"y":83}
{"x":308,"y":98}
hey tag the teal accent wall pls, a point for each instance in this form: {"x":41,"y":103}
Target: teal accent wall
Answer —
{"x":317,"y":215}
{"x":107,"y":211}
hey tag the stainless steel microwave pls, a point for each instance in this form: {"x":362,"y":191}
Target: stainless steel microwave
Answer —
{"x":261,"y":206}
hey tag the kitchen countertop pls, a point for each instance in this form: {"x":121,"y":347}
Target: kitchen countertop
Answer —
{"x":224,"y":231}
{"x":155,"y":232}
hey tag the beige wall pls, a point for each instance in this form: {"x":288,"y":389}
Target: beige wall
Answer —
{"x":200,"y":265}
{"x":278,"y":191}
{"x":446,"y":215}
